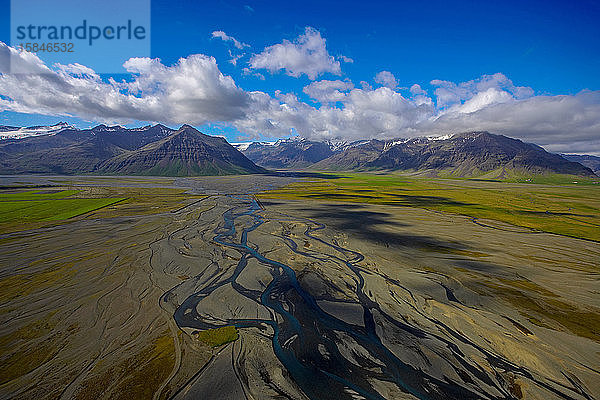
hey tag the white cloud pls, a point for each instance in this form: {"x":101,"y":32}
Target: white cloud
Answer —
{"x":365,"y":85}
{"x":363,"y":114}
{"x":416,"y":90}
{"x":195,"y":91}
{"x":306,"y":55}
{"x":483,"y":99}
{"x":450,"y":93}
{"x":234,"y":57}
{"x":328,"y":91}
{"x":248,"y":72}
{"x":419,"y":96}
{"x":345,"y":59}
{"x":387,"y":79}
{"x":191,"y":91}
{"x":559,"y":123}
{"x":226,"y":38}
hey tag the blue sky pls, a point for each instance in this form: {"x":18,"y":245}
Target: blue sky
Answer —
{"x":551,"y":47}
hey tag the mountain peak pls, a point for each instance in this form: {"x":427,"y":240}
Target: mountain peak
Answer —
{"x":472,"y":134}
{"x":186,"y":127}
{"x":471,"y":153}
{"x":186,"y":152}
{"x":161,"y":126}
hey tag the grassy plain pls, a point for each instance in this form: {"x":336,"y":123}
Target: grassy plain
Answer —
{"x":30,"y":209}
{"x":557,"y":205}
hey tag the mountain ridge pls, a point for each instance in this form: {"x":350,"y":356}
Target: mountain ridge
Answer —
{"x":159,"y":150}
{"x":466,"y":154}
{"x":185,"y":152}
{"x":112,"y":150}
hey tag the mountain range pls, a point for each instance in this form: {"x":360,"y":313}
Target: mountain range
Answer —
{"x":159,"y":150}
{"x":592,"y":162}
{"x":150,"y":150}
{"x":470,"y":154}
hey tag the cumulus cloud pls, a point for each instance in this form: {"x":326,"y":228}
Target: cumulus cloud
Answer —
{"x":417,"y":90}
{"x":365,"y":85}
{"x":226,"y":38}
{"x":195,"y":91}
{"x":563,"y":123}
{"x":328,"y":91}
{"x":379,"y":113}
{"x":306,"y":55}
{"x":387,"y":79}
{"x":483,"y":99}
{"x":419,"y":95}
{"x":449,"y":93}
{"x":558,"y":123}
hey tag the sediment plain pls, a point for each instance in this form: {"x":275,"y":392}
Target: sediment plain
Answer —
{"x":224,"y":288}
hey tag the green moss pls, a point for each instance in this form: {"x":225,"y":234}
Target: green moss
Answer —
{"x":218,"y":336}
{"x":23,"y":284}
{"x":137,"y":377}
{"x":547,"y":312}
{"x":15,"y":360}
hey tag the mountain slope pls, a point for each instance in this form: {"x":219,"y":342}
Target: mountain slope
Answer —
{"x":592,"y":162}
{"x":473,"y":154}
{"x":289,"y":153}
{"x":150,"y":150}
{"x":467,"y":154}
{"x":353,"y":156}
{"x":186,"y":152}
{"x":73,"y":151}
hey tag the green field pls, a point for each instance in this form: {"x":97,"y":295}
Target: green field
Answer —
{"x":559,"y":206}
{"x":37,"y":195}
{"x":34,"y":206}
{"x":22,"y":209}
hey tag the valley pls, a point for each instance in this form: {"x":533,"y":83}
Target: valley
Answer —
{"x":303,"y":200}
{"x":260,"y":286}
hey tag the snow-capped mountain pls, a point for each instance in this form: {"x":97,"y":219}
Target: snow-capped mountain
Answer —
{"x":13,"y":132}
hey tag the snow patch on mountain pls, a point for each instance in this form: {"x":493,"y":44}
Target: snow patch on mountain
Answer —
{"x":20,"y":133}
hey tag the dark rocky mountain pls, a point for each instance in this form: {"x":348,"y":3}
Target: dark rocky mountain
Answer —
{"x":105,"y":149}
{"x":352,"y":156}
{"x":72,"y":151}
{"x":186,"y":152}
{"x":290,"y":153}
{"x":474,"y":154}
{"x":592,"y":162}
{"x":159,"y":150}
{"x":128,"y":139}
{"x":6,"y":128}
{"x":466,"y":154}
